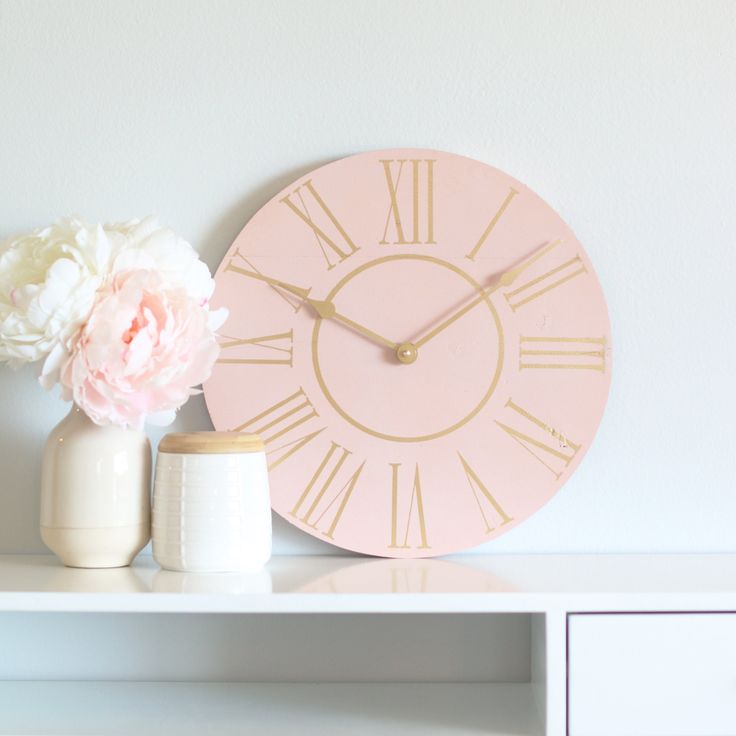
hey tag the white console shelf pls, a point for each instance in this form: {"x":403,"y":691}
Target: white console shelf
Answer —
{"x":330,"y":584}
{"x":492,"y":645}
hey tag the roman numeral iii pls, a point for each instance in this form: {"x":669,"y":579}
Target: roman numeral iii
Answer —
{"x":563,"y":353}
{"x":275,"y":349}
{"x":410,"y":216}
{"x":330,"y":236}
{"x":544,"y":443}
{"x":324,"y":496}
{"x":488,"y":507}
{"x":407,"y":513}
{"x":276,"y":426}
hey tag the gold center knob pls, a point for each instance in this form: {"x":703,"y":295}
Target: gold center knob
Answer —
{"x":407,"y":352}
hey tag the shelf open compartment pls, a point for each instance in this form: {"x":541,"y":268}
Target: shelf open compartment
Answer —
{"x":177,"y":673}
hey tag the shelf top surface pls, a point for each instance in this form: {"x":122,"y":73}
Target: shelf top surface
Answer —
{"x":331,"y":583}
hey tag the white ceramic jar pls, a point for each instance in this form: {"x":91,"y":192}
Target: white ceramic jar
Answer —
{"x":211,"y":503}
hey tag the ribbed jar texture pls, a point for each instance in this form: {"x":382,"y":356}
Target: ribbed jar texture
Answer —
{"x":211,"y":512}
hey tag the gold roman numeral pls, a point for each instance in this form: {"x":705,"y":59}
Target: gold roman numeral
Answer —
{"x":543,"y":284}
{"x":555,"y":455}
{"x":330,"y":235}
{"x":483,"y":496}
{"x":275,"y":349}
{"x":563,"y":353}
{"x":408,"y":509}
{"x":294,"y":298}
{"x":409,"y":199}
{"x":281,"y":419}
{"x":494,"y":221}
{"x":323,"y":494}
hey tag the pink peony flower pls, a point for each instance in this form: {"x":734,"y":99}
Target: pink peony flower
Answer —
{"x":143,"y":348}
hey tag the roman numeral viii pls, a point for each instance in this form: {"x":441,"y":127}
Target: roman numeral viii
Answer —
{"x":275,"y":349}
{"x":277,"y":424}
{"x":330,"y":236}
{"x":323,"y":495}
{"x":488,"y":507}
{"x":410,"y":185}
{"x":406,"y":507}
{"x":563,"y":353}
{"x":552,"y":449}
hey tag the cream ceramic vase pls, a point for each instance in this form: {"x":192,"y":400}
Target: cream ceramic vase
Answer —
{"x":95,"y":492}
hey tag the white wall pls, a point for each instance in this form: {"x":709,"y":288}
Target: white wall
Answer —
{"x":620,"y":114}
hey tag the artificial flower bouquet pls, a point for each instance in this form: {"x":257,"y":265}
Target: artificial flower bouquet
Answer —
{"x":119,"y":314}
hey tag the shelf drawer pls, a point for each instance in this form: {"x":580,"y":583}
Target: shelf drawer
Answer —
{"x":663,"y":674}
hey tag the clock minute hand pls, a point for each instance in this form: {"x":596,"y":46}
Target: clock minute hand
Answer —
{"x":506,"y":279}
{"x":324,"y":309}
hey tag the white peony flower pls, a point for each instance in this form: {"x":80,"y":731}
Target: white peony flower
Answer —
{"x":150,"y":246}
{"x":48,"y":283}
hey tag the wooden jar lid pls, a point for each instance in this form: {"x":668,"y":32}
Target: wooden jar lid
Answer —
{"x":210,"y":443}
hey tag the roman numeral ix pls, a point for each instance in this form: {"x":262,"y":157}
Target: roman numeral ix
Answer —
{"x":275,"y":349}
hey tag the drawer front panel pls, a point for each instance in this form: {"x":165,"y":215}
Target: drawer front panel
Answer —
{"x":652,"y":674}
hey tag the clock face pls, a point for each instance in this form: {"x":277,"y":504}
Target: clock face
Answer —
{"x":422,"y":344}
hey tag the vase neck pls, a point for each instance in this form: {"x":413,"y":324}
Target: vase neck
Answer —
{"x":77,"y":414}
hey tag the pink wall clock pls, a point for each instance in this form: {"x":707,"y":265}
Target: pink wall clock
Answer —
{"x":423,"y":345}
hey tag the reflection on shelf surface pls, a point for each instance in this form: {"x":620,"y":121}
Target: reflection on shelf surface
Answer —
{"x":334,"y":575}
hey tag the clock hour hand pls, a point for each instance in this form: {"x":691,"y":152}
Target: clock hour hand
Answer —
{"x":299,"y":291}
{"x":327,"y":310}
{"x":505,"y":279}
{"x":324,"y":309}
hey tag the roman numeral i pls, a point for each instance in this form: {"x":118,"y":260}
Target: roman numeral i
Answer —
{"x":473,"y":254}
